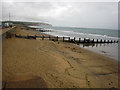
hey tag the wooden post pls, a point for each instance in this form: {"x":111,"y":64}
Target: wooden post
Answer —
{"x":93,"y":40}
{"x":35,"y":36}
{"x":108,"y":41}
{"x":42,"y":37}
{"x":69,"y":39}
{"x":74,"y":38}
{"x":57,"y":38}
{"x":101,"y":40}
{"x":79,"y":40}
{"x":97,"y":40}
{"x":114,"y":41}
{"x":63,"y":39}
{"x":89,"y":40}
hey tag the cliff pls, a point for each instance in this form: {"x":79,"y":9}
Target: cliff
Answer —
{"x":27,"y":23}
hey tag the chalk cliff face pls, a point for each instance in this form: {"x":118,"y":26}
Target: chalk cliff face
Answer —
{"x":44,"y":24}
{"x":28,"y":23}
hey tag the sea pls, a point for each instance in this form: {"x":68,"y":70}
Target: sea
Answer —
{"x":107,"y":49}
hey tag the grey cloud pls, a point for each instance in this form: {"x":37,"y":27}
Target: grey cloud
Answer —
{"x":93,"y":15}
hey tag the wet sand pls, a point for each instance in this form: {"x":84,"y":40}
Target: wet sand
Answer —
{"x":59,"y":64}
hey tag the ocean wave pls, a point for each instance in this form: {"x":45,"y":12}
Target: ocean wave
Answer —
{"x":80,"y":35}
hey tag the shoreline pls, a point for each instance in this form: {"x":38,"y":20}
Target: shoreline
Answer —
{"x":60,"y":64}
{"x":102,"y":50}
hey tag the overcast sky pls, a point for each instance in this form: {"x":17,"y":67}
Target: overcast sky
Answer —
{"x":74,"y":14}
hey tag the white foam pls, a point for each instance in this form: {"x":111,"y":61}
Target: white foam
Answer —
{"x":72,"y":34}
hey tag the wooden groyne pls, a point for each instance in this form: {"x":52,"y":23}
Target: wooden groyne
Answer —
{"x":66,"y":39}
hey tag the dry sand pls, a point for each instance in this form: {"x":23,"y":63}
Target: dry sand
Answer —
{"x":61,"y":65}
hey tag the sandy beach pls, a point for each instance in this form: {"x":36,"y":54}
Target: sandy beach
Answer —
{"x":59,"y":64}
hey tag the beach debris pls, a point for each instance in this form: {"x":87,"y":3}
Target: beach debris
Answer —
{"x":87,"y":81}
{"x":103,"y":52}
